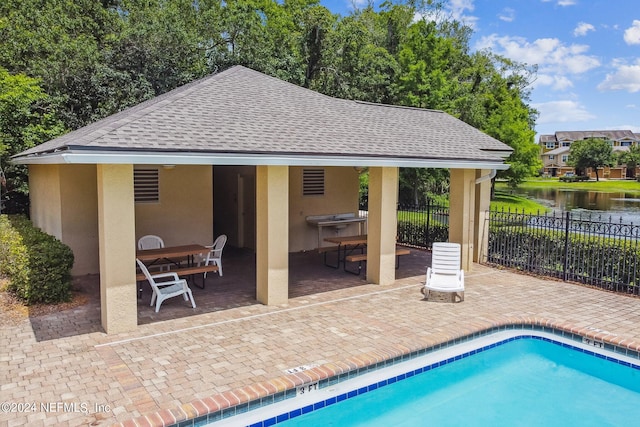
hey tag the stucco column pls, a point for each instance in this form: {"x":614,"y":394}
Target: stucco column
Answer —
{"x":272,"y":234}
{"x":481,"y":229}
{"x":461,"y":212}
{"x":382,"y":225}
{"x":116,"y":232}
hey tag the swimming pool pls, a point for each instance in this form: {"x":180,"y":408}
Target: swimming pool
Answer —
{"x":506,"y":378}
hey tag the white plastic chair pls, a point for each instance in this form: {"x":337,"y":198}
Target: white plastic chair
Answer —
{"x":150,"y":242}
{"x":445,"y":274}
{"x":214,"y":256}
{"x":165,"y":289}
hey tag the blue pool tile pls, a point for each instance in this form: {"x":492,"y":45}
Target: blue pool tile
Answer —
{"x":269,"y":422}
{"x":307,"y":409}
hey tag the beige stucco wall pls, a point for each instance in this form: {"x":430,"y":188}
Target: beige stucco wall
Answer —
{"x":64,"y":204}
{"x":44,"y":191}
{"x":341,"y":196}
{"x":184,"y":214}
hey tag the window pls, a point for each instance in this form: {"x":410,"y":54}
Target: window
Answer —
{"x":565,"y":157}
{"x":551,"y":157}
{"x":551,"y":145}
{"x":566,"y":144}
{"x":625,"y":144}
{"x":313,"y":182}
{"x":145,"y":185}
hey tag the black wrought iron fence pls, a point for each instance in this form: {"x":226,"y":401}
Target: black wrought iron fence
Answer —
{"x":422,"y":225}
{"x":592,"y":250}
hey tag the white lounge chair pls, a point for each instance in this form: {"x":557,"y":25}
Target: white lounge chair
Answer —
{"x":165,"y":289}
{"x":445,"y":274}
{"x":214,"y":256}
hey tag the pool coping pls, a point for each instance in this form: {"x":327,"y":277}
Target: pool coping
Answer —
{"x":238,"y":401}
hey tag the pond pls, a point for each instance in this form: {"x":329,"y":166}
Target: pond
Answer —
{"x":594,"y":203}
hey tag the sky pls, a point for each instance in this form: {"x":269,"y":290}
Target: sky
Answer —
{"x":587,"y":53}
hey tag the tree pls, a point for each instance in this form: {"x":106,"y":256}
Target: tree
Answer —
{"x":591,"y":153}
{"x":630,"y":158}
{"x":26,"y":119}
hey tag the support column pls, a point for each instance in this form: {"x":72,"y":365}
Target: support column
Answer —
{"x":116,"y":232}
{"x":382,"y":225}
{"x":461,"y":212}
{"x":482,"y":205}
{"x":272,"y":234}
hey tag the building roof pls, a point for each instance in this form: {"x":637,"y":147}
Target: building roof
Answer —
{"x":241,"y":116}
{"x":577,"y":135}
{"x":557,"y":151}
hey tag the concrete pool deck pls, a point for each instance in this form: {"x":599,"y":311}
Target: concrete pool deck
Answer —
{"x":60,"y":369}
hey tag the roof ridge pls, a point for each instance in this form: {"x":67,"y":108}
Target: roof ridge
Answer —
{"x":407,"y":107}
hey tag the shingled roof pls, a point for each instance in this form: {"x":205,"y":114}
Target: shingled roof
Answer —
{"x":241,"y":116}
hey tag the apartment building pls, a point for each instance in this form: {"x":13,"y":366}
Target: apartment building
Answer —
{"x":555,"y":149}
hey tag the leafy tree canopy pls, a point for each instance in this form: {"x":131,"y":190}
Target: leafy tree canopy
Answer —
{"x":93,"y":58}
{"x":591,"y":153}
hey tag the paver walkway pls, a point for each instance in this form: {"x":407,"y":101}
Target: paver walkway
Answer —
{"x":52,"y":375}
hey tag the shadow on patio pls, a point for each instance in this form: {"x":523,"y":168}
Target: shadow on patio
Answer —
{"x":237,"y":288}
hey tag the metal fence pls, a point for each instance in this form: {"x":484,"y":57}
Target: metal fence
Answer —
{"x":422,"y":225}
{"x":592,"y":250}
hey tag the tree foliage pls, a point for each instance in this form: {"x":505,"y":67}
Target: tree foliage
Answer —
{"x":591,"y":153}
{"x":630,"y":158}
{"x":92,"y":58}
{"x":26,"y":119}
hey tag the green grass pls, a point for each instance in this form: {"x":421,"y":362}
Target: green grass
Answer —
{"x":508,"y":201}
{"x":622,"y":186}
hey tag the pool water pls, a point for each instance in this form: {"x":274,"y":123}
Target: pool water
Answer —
{"x":524,"y":382}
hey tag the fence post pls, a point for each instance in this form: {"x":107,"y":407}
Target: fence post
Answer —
{"x":426,"y":243}
{"x":566,"y":245}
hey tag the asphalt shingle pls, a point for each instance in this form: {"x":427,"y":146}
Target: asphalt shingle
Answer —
{"x":243,"y":111}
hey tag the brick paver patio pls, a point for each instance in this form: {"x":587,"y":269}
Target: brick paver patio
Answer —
{"x":61,"y":369}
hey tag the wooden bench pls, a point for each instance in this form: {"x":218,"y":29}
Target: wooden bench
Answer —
{"x":326,"y":249}
{"x":183,"y":271}
{"x":360,"y":258}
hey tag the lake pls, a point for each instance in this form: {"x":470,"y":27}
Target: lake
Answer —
{"x":595,"y":203}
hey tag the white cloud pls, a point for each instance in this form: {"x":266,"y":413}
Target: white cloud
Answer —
{"x":550,"y":54}
{"x":632,"y":34}
{"x":582,"y":29}
{"x":562,"y":111}
{"x":626,"y":77}
{"x":556,"y":82}
{"x":454,"y":9}
{"x":507,"y":15}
